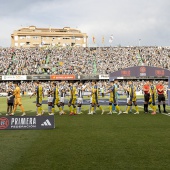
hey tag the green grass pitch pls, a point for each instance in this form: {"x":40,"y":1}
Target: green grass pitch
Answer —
{"x":88,"y":142}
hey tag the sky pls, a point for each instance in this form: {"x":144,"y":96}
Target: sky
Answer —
{"x":131,"y":22}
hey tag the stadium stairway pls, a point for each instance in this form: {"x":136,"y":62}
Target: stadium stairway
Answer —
{"x":47,"y":59}
{"x":94,"y":67}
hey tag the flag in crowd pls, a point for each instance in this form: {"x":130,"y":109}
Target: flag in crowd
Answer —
{"x":103,"y":40}
{"x":94,"y":39}
{"x":111,"y":39}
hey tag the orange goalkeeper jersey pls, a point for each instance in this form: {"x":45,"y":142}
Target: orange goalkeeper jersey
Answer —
{"x":17,"y":92}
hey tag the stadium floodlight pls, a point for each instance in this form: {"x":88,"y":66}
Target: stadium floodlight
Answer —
{"x":139,"y":42}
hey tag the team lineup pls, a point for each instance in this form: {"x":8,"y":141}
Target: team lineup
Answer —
{"x":57,"y":93}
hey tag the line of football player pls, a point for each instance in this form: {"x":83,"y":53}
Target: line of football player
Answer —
{"x":57,"y":94}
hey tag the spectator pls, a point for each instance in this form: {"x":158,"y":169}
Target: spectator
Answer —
{"x":29,"y":61}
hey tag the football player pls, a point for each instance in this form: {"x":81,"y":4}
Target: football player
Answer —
{"x":17,"y":95}
{"x":80,"y":90}
{"x":72,"y":101}
{"x":132,"y":93}
{"x":113,"y":99}
{"x":56,"y":100}
{"x":39,"y":92}
{"x":152,"y":99}
{"x":95,"y":96}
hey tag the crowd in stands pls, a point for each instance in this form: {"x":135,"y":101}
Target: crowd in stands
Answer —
{"x":56,"y":60}
{"x":29,"y":61}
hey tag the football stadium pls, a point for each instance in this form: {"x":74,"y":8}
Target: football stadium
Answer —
{"x":66,"y":104}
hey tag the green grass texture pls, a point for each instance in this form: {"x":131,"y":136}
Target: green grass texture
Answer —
{"x":88,"y":142}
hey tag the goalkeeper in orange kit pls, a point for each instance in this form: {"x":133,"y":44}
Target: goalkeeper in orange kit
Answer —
{"x":17,"y":101}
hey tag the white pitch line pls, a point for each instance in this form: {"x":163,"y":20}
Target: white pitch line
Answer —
{"x":166,"y":114}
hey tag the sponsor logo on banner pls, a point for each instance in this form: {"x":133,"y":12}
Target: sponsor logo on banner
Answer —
{"x":29,"y":77}
{"x":84,"y":77}
{"x":142,"y":74}
{"x":42,"y":77}
{"x":14,"y":77}
{"x":46,"y":123}
{"x":104,"y":76}
{"x":62,"y":77}
{"x":142,"y":71}
{"x":35,"y":77}
{"x":93,"y":77}
{"x":125,"y":73}
{"x":27,"y":122}
{"x":89,"y":77}
{"x":159,"y":72}
{"x":23,"y":122}
{"x":4,"y":122}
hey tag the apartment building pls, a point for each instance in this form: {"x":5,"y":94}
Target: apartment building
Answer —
{"x":39,"y":37}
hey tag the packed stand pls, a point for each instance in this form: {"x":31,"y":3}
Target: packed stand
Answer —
{"x":30,"y":61}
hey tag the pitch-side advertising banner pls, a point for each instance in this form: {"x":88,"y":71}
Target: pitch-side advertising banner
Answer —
{"x":104,"y":76}
{"x":14,"y":77}
{"x":88,"y":77}
{"x":63,"y":77}
{"x":140,"y":71}
{"x":26,"y":122}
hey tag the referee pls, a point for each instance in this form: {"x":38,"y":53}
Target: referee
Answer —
{"x":146,"y":90}
{"x":161,"y":96}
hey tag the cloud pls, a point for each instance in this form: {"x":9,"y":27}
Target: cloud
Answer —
{"x":127,"y":20}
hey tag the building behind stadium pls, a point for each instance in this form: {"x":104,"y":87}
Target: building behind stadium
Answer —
{"x":38,"y":37}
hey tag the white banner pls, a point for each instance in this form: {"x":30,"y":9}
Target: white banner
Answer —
{"x":14,"y":77}
{"x":3,"y":94}
{"x":104,"y":76}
